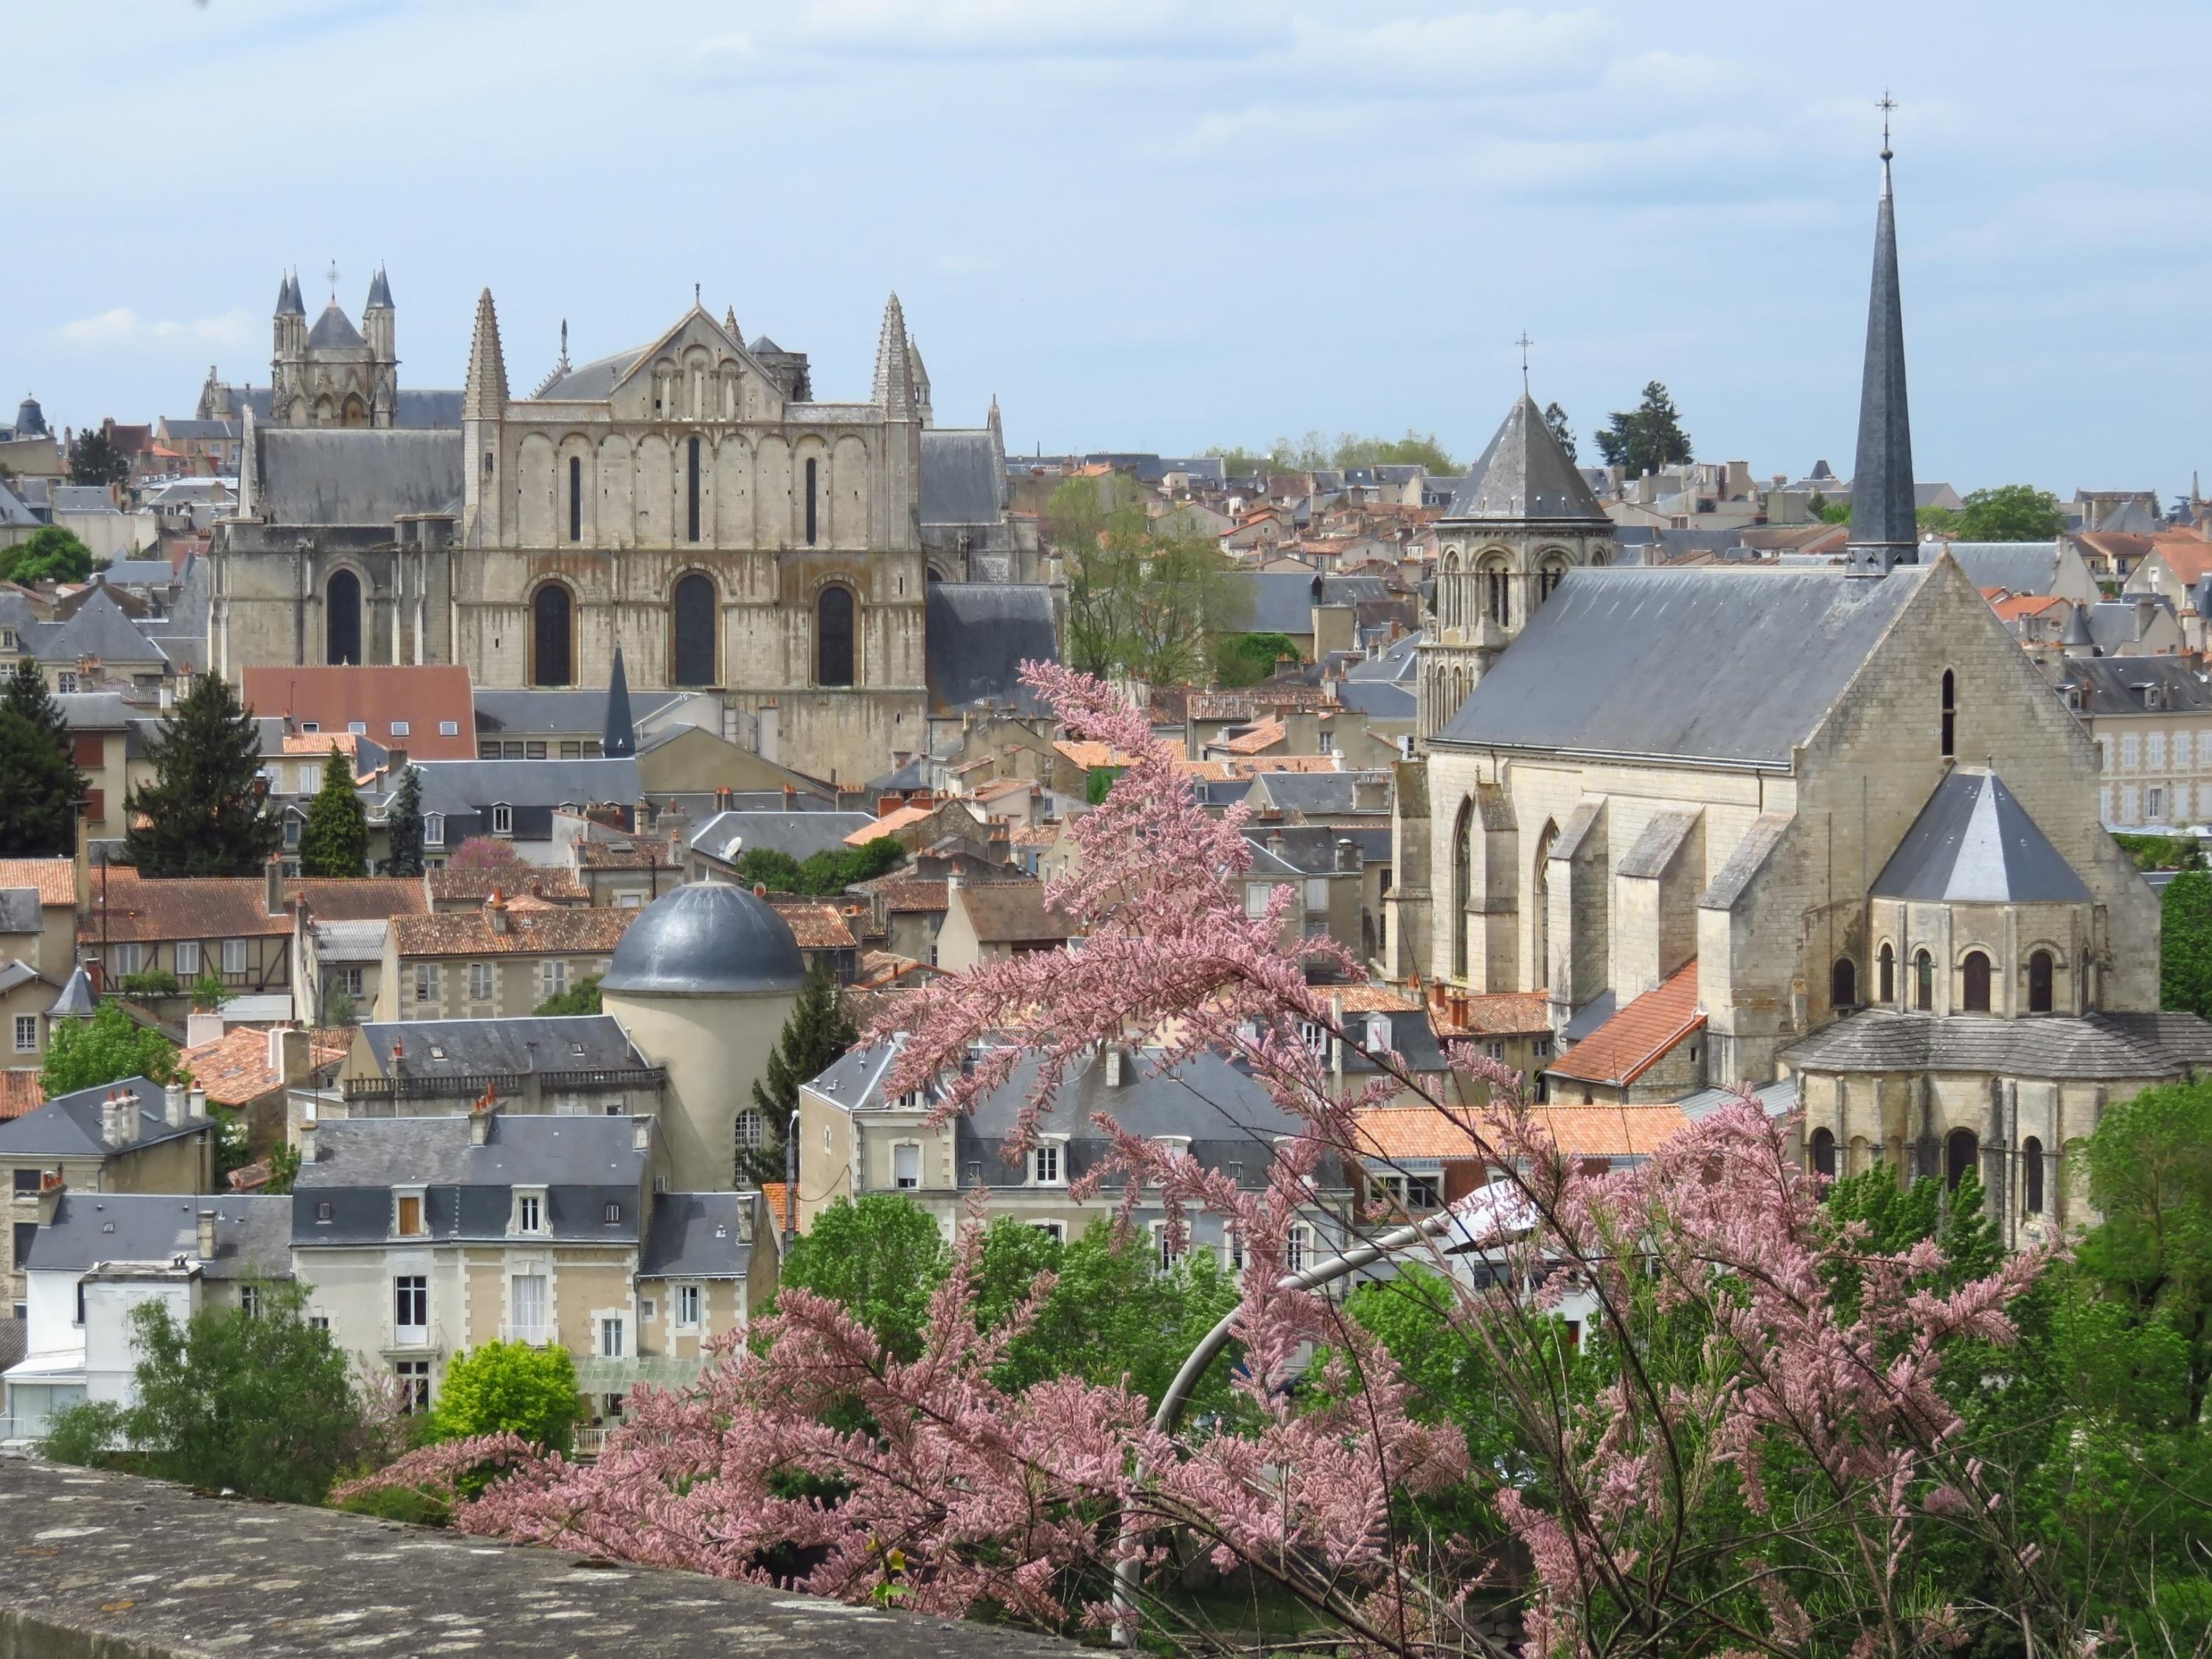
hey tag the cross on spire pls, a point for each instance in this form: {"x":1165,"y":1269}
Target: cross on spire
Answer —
{"x":1524,"y":343}
{"x":1885,"y":104}
{"x":333,"y":274}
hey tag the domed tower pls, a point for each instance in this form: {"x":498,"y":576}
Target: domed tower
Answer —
{"x":704,"y":980}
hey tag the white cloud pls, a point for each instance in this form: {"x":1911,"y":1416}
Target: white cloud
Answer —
{"x":1468,"y":52}
{"x":122,"y":326}
{"x":1001,"y":28}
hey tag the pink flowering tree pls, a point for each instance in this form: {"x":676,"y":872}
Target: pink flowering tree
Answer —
{"x":1752,"y":1449}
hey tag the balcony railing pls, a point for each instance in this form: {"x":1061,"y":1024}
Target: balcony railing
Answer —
{"x":536,"y":1335}
{"x":469,"y":1085}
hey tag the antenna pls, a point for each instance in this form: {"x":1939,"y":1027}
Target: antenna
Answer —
{"x":1524,"y":343}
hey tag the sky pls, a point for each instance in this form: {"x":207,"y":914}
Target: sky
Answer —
{"x":1147,"y":225}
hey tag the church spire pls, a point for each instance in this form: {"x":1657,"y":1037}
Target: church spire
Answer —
{"x":619,"y":737}
{"x":894,"y":387}
{"x":1884,"y":532}
{"x":485,"y":396}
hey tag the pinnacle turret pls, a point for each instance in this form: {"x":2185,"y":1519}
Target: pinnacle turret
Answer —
{"x":484,"y":398}
{"x":379,"y":292}
{"x":894,"y":385}
{"x":1884,"y":530}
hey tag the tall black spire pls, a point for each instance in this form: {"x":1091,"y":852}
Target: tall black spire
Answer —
{"x":1884,"y":532}
{"x":620,"y":737}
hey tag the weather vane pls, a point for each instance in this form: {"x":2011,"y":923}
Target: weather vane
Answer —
{"x":1524,"y":343}
{"x":1885,"y":104}
{"x":334,"y":282}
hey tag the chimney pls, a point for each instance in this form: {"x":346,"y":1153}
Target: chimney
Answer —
{"x":207,"y":1235}
{"x":395,"y":761}
{"x":640,"y":1134}
{"x":480,"y":1120}
{"x":50,"y":1188}
{"x":202,"y":1025}
{"x":195,"y":1101}
{"x":304,"y":1139}
{"x":790,"y":797}
{"x":1113,"y":1066}
{"x":83,"y":864}
{"x":1347,"y":853}
{"x":726,"y":799}
{"x":494,"y":911}
{"x":292,"y":1060}
{"x":119,"y":1115}
{"x":172,"y":1103}
{"x":273,"y":873}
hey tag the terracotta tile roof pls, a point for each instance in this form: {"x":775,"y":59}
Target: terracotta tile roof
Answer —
{"x":1497,"y":1013}
{"x":1375,"y":999}
{"x":1087,"y":754}
{"x":55,"y":878}
{"x":907,"y":893}
{"x":20,"y":1091}
{"x":2016,"y":605}
{"x":2189,"y":556}
{"x":450,"y":885}
{"x":1257,"y":740}
{"x":624,"y":855}
{"x":816,"y":924}
{"x":890,"y":823}
{"x":235,"y":1068}
{"x":882,"y":971}
{"x":565,"y":931}
{"x":774,"y":1192}
{"x":137,"y":908}
{"x":319,"y":743}
{"x":1002,"y":787}
{"x":421,"y":698}
{"x":1422,"y":1131}
{"x":1637,"y":1036}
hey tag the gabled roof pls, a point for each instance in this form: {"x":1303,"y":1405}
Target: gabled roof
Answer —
{"x":463,"y":1048}
{"x":1974,"y":842}
{"x":1423,"y":1134}
{"x":252,"y":1233}
{"x":1638,"y":1036}
{"x":422,"y":698}
{"x":68,"y":1126}
{"x":1012,"y":913}
{"x":1524,"y":475}
{"x":699,"y":1235}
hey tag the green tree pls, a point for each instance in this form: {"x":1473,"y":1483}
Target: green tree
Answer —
{"x":206,"y":810}
{"x":878,"y":1258}
{"x":207,"y":994}
{"x":1556,"y":418}
{"x":94,"y":459}
{"x":1248,"y":658}
{"x":336,"y":839}
{"x":1828,"y":511}
{"x":258,"y":1402}
{"x":402,"y":822}
{"x":1144,"y":596}
{"x":38,"y":809}
{"x":82,"y":1053}
{"x":47,"y":554}
{"x":509,"y":1387}
{"x":581,"y":998}
{"x":283,"y":1170}
{"x":826,"y":874}
{"x":1646,"y":438}
{"x":2185,"y":944}
{"x":1419,"y":449}
{"x":767,"y":867}
{"x":1239,"y":462}
{"x":2011,"y":512}
{"x":815,"y":1034}
{"x":1937,"y":521}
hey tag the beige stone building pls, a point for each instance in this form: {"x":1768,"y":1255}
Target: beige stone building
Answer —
{"x":2151,"y":718}
{"x":498,"y":961}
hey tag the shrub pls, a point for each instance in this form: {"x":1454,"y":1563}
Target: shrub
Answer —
{"x":152,"y":982}
{"x":509,"y":1388}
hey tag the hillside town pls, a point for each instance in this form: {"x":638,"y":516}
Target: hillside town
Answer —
{"x":633,"y":861}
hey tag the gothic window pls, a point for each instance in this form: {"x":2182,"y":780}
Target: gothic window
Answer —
{"x":1824,"y":1154}
{"x":833,"y":623}
{"x":1950,"y":715}
{"x":1462,"y":885}
{"x":341,"y":619}
{"x":1498,"y":596}
{"x":552,"y":660}
{"x":1924,"y":983}
{"x":1887,"y":961}
{"x":1843,"y":983}
{"x":2039,"y":982}
{"x":691,"y":498}
{"x":1961,"y":1151}
{"x":575,"y":498}
{"x":2031,"y":1159}
{"x":1976,"y":972}
{"x":814,"y":517}
{"x":694,"y":611}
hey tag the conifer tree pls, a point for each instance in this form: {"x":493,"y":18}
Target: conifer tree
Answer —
{"x":816,"y":1032}
{"x":403,"y":826}
{"x":2185,"y":944}
{"x":38,"y":807}
{"x":336,"y":843}
{"x":206,"y":811}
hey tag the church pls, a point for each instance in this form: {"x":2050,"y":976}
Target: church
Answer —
{"x":1823,"y":830}
{"x":836,"y":570}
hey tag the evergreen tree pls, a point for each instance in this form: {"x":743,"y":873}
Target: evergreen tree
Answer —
{"x":1556,"y":418}
{"x":403,"y":825}
{"x":1646,"y":438}
{"x":94,"y":459}
{"x":816,"y":1032}
{"x":336,"y":841}
{"x":206,"y":811}
{"x":38,"y":808}
{"x":2185,"y":944}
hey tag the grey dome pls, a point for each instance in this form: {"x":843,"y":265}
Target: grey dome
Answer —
{"x":707,"y":937}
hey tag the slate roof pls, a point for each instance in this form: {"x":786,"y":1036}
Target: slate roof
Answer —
{"x":583,"y":1162}
{"x":68,"y":1126}
{"x":1283,"y":601}
{"x":1321,"y":791}
{"x":458,"y":786}
{"x":1379,"y":699}
{"x":1734,"y":666}
{"x":350,"y":941}
{"x":979,"y":636}
{"x":961,"y":476}
{"x":253,"y":1232}
{"x":1524,"y":475}
{"x":20,"y":910}
{"x":698,"y":1236}
{"x":529,"y":1043}
{"x":707,"y":937}
{"x":2134,"y":1045}
{"x":334,"y":331}
{"x":2115,"y":686}
{"x":528,"y":711}
{"x":99,"y":628}
{"x":356,"y":476}
{"x":1974,"y":842}
{"x":2017,"y":566}
{"x":1638,"y":1036}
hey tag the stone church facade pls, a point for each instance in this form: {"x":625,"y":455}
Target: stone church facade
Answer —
{"x":689,"y":502}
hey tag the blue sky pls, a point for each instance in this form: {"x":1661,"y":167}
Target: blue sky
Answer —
{"x":1144,"y":224}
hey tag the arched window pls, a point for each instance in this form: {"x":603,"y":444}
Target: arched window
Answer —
{"x":2031,"y":1175}
{"x":1843,"y":983}
{"x":833,"y":633}
{"x":1976,"y":973}
{"x":2039,"y":982}
{"x":575,"y":498}
{"x":1888,"y":962}
{"x":1824,"y":1154}
{"x":1961,"y":1151}
{"x":695,"y":612}
{"x":1462,"y":885}
{"x":1547,"y":579}
{"x":1950,"y":715}
{"x":1498,"y":596}
{"x":552,"y":660}
{"x":1924,"y":983}
{"x":691,"y":492}
{"x":341,"y":619}
{"x":814,"y":516}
